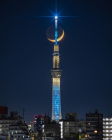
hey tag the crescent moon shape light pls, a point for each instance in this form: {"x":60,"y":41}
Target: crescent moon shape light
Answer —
{"x":59,"y":38}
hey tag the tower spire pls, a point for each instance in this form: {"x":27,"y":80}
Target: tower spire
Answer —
{"x":56,"y":29}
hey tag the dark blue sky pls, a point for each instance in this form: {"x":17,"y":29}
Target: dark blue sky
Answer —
{"x":26,"y":56}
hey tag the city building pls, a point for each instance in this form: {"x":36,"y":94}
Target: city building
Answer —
{"x":72,"y":127}
{"x":52,"y":130}
{"x":43,"y":127}
{"x":56,"y":74}
{"x":94,"y":126}
{"x":69,"y":128}
{"x":3,"y":111}
{"x":107,"y":128}
{"x":12,"y":126}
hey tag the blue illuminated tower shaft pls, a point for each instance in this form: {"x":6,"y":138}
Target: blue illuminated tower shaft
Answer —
{"x":56,"y":76}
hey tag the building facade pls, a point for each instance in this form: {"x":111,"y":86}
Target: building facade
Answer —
{"x":72,"y":128}
{"x":107,"y":128}
{"x":12,"y":126}
{"x":44,"y":128}
{"x":94,"y":126}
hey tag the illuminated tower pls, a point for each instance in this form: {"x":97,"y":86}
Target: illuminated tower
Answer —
{"x":56,"y":75}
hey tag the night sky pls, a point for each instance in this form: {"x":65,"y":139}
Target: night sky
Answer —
{"x":26,"y":56}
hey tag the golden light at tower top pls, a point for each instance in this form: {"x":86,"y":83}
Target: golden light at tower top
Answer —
{"x":56,"y":37}
{"x":56,"y":74}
